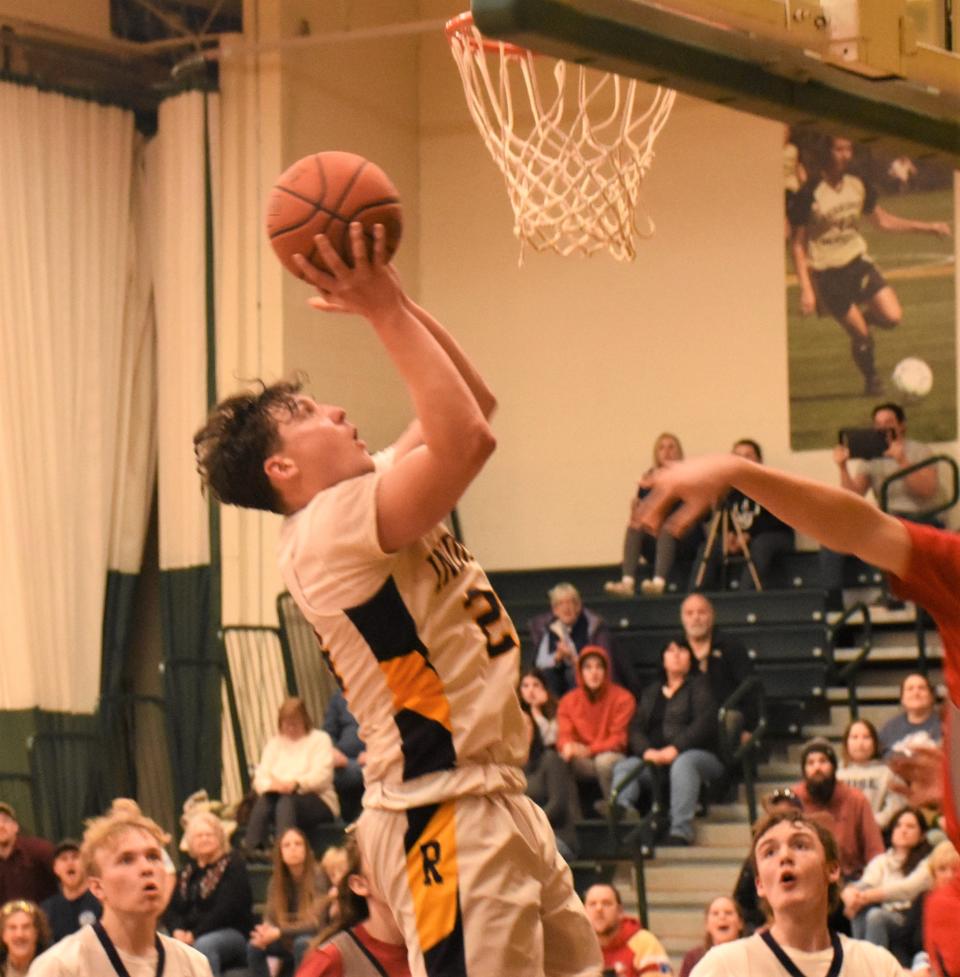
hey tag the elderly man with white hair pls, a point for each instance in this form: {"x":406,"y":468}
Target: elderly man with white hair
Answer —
{"x":561,"y":633}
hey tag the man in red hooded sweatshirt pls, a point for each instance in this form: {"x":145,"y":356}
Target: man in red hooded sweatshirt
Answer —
{"x":628,"y":949}
{"x":592,"y":720}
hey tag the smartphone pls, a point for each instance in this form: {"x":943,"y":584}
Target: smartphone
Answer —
{"x":864,"y":442}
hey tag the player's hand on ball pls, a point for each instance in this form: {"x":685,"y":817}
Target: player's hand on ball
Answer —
{"x":366,"y":288}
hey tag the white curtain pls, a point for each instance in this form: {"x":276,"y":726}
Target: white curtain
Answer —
{"x":175,"y":175}
{"x":65,"y":246}
{"x":136,"y":466}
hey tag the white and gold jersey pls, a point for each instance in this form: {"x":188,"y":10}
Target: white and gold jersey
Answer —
{"x":832,"y":215}
{"x":425,"y":652}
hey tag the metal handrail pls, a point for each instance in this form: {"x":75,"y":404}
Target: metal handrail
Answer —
{"x":909,"y":470}
{"x":848,"y":674}
{"x":744,"y":751}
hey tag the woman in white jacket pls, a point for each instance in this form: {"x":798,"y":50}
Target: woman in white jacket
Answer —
{"x":294,"y":779}
{"x":877,"y":902}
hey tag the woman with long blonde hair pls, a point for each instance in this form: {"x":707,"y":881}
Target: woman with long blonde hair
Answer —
{"x":660,"y":550}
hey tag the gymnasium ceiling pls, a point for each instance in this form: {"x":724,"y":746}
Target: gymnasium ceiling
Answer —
{"x":138,"y":68}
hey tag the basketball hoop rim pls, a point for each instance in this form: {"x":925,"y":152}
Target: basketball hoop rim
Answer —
{"x":460,"y":27}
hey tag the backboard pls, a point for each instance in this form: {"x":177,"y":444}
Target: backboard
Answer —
{"x":881,"y":69}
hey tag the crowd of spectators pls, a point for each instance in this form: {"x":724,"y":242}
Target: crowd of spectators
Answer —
{"x":603,"y":737}
{"x":902,"y":896}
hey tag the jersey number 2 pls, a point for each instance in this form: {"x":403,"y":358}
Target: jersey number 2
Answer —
{"x":488,"y":612}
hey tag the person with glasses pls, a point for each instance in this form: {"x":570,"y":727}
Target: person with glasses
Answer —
{"x":122,"y":854}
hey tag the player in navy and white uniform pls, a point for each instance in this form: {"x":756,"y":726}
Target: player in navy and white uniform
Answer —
{"x":426,"y":655}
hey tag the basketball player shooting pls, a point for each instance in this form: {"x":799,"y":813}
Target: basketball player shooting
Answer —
{"x":923,"y":562}
{"x":426,"y":655}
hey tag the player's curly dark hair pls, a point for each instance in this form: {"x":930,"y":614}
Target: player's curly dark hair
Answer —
{"x":239,"y":435}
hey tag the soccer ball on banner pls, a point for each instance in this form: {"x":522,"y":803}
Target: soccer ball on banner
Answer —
{"x":913,"y":378}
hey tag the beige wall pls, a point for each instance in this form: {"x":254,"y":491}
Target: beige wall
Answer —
{"x":590,"y":358}
{"x":90,"y":17}
{"x":361,"y":97}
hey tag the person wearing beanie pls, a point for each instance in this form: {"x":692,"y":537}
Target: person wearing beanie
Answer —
{"x":844,"y":811}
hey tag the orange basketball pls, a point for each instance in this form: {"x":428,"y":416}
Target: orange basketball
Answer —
{"x":323,"y":194}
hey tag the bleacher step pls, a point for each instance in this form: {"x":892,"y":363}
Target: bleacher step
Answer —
{"x":696,"y":877}
{"x":722,"y":835}
{"x":678,"y":926}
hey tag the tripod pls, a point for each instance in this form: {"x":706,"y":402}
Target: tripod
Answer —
{"x":720,"y":526}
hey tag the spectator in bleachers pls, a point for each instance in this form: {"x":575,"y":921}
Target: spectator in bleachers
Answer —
{"x":294,"y":779}
{"x":296,"y":903}
{"x":878,"y":901}
{"x":781,"y":801}
{"x":74,"y":905}
{"x":212,"y":905}
{"x":541,"y":703}
{"x":122,"y":855}
{"x":628,"y":949}
{"x":592,"y":720}
{"x":26,"y":863}
{"x":660,"y":550}
{"x":723,"y":660}
{"x":561,"y":633}
{"x":798,"y":873}
{"x":766,"y":536}
{"x":723,"y":924}
{"x":365,"y":938}
{"x":918,"y":724}
{"x":842,"y":810}
{"x":907,"y":497}
{"x":550,"y":785}
{"x":349,"y":755}
{"x":862,"y":768}
{"x":673,"y":735}
{"x":24,"y":935}
{"x":931,"y":936}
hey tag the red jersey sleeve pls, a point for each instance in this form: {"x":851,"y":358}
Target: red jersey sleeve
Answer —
{"x":324,"y":961}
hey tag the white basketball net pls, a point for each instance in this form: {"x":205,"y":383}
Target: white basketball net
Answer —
{"x":573,"y":182}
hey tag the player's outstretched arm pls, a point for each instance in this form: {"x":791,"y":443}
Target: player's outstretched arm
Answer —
{"x":412,"y":437}
{"x":426,"y":483}
{"x":832,"y":515}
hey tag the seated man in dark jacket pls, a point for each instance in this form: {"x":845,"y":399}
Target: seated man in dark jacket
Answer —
{"x":674,"y":730}
{"x":723,"y":661}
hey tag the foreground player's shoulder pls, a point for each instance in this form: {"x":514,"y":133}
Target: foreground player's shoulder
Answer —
{"x":61,"y":960}
{"x":931,"y":574}
{"x":725,"y":960}
{"x":323,"y":961}
{"x":861,"y":957}
{"x":183,"y":960}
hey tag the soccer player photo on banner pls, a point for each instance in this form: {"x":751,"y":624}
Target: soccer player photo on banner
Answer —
{"x":871,"y":303}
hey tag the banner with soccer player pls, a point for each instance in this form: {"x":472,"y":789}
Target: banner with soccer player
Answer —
{"x":871,"y":304}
